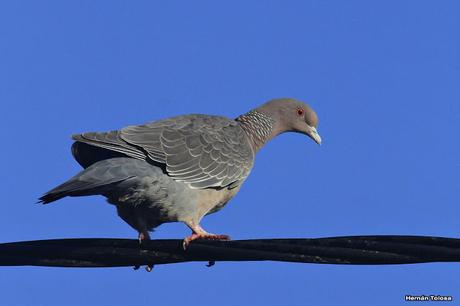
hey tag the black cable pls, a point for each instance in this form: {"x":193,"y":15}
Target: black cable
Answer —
{"x":358,"y":250}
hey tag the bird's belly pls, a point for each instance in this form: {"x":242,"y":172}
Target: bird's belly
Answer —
{"x":168,"y":200}
{"x":191,"y":205}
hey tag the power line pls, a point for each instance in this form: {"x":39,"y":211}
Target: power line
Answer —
{"x":357,"y":250}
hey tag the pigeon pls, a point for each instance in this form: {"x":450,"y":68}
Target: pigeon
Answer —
{"x":180,"y":168}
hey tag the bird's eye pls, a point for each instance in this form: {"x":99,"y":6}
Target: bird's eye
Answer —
{"x":299,"y":111}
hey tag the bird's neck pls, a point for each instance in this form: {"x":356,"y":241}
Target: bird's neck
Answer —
{"x":259,"y":128}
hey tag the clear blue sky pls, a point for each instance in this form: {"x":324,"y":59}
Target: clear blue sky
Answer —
{"x":384,"y":77}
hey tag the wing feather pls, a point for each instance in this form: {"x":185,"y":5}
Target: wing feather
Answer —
{"x":203,"y":151}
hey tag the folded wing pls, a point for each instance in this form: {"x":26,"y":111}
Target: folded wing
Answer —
{"x":203,"y":151}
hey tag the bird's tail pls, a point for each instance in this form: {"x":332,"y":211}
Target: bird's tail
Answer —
{"x":91,"y":181}
{"x":72,"y":187}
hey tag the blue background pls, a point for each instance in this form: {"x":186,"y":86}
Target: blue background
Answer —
{"x":384,"y":77}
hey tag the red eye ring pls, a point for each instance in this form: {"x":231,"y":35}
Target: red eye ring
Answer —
{"x":300,"y":111}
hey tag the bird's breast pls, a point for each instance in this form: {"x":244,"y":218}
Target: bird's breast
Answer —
{"x":213,"y":200}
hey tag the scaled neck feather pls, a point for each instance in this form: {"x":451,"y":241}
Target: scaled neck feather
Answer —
{"x":258,"y":127}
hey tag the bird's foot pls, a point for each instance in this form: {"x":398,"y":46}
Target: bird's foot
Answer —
{"x":144,"y":236}
{"x":148,"y":267}
{"x":204,"y":236}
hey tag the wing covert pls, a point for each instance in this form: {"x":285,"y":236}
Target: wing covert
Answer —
{"x":204,"y":151}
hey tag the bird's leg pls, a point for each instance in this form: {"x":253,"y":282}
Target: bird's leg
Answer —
{"x":144,"y":236}
{"x":199,"y":233}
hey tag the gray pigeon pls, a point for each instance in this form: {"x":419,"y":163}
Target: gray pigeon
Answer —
{"x":181,"y":168}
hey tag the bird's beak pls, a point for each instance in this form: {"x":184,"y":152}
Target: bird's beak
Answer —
{"x":313,"y":134}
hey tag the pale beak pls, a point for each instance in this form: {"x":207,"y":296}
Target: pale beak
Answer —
{"x":313,"y":134}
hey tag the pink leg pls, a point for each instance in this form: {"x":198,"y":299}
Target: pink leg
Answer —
{"x":143,"y":236}
{"x":199,"y":233}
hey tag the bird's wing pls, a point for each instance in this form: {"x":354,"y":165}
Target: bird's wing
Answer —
{"x":110,"y":141}
{"x":204,"y":151}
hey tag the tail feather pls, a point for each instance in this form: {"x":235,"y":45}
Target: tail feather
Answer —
{"x":93,"y":180}
{"x":75,"y":188}
{"x":61,"y":191}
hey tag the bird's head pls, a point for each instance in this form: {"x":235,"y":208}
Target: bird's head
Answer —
{"x":291,"y":115}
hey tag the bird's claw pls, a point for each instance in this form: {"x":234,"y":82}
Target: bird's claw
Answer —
{"x":210,"y":263}
{"x":206,"y":236}
{"x":149,"y":268}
